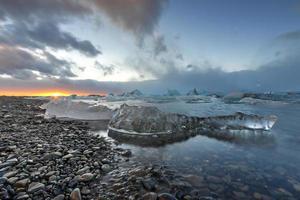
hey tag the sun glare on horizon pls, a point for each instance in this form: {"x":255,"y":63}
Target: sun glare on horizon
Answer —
{"x":54,"y":94}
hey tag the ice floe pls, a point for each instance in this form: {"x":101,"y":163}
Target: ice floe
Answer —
{"x":150,"y":120}
{"x":67,"y":108}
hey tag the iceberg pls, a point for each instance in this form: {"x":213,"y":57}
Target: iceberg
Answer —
{"x":134,"y":93}
{"x":197,"y":99}
{"x":254,"y":101}
{"x":66,"y":108}
{"x":141,"y":121}
{"x":193,"y":92}
{"x":263,"y":98}
{"x":233,"y":97}
{"x":173,"y":93}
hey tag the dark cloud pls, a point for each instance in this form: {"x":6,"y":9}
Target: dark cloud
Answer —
{"x":36,"y":10}
{"x":43,"y":35}
{"x":179,"y":56}
{"x":107,"y":70}
{"x":21,"y":64}
{"x":159,"y":45}
{"x":293,"y":35}
{"x":50,"y":34}
{"x":137,"y":16}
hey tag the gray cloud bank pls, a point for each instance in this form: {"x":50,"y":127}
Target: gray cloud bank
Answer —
{"x":140,"y":17}
{"x":279,"y":76}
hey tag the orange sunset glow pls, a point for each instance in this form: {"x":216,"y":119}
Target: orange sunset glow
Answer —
{"x":53,"y":93}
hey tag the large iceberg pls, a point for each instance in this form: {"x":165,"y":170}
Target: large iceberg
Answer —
{"x":137,"y":121}
{"x":67,"y":108}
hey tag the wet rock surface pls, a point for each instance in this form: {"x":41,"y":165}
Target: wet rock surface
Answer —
{"x":153,"y":182}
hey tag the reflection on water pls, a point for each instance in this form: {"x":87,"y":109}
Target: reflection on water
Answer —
{"x":259,"y":171}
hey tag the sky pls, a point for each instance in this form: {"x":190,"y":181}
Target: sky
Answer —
{"x":103,"y":46}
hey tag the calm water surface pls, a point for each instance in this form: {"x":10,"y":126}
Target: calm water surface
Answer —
{"x":270,"y":168}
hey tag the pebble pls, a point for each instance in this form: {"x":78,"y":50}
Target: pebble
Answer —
{"x":23,"y":196}
{"x":52,"y":156}
{"x":10,"y":174}
{"x":106,"y":168}
{"x":194,"y":180}
{"x":12,"y":180}
{"x":59,"y":197}
{"x":35,"y":186}
{"x":83,"y":170}
{"x":75,"y":194}
{"x":68,"y":156}
{"x":150,"y":196}
{"x":166,"y":196}
{"x":86,"y":177}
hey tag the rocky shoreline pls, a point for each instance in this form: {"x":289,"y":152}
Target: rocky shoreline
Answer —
{"x":47,"y":158}
{"x":54,"y":159}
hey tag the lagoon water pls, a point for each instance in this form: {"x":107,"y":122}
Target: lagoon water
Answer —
{"x":268,"y":169}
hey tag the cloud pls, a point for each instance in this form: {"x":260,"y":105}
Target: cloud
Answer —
{"x":292,"y":35}
{"x":137,"y":16}
{"x":107,"y":70}
{"x":281,"y":74}
{"x":34,"y":26}
{"x":159,"y":45}
{"x":278,"y":75}
{"x":34,"y":23}
{"x":21,"y":64}
{"x":46,"y":34}
{"x":179,"y":56}
{"x":50,"y":34}
{"x":35,"y":10}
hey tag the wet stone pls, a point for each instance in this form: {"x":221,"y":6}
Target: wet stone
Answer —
{"x":149,"y":184}
{"x":150,"y":196}
{"x":83,"y":170}
{"x":51,"y":173}
{"x":166,"y":196}
{"x":68,"y":156}
{"x":106,"y":168}
{"x":52,"y":156}
{"x":59,"y":197}
{"x":10,"y":174}
{"x":75,"y":195}
{"x":194,"y":180}
{"x":35,"y":186}
{"x":239,"y":195}
{"x":3,"y":180}
{"x":86,"y":177}
{"x":22,"y":196}
{"x":85,"y":191}
{"x":12,"y":180}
